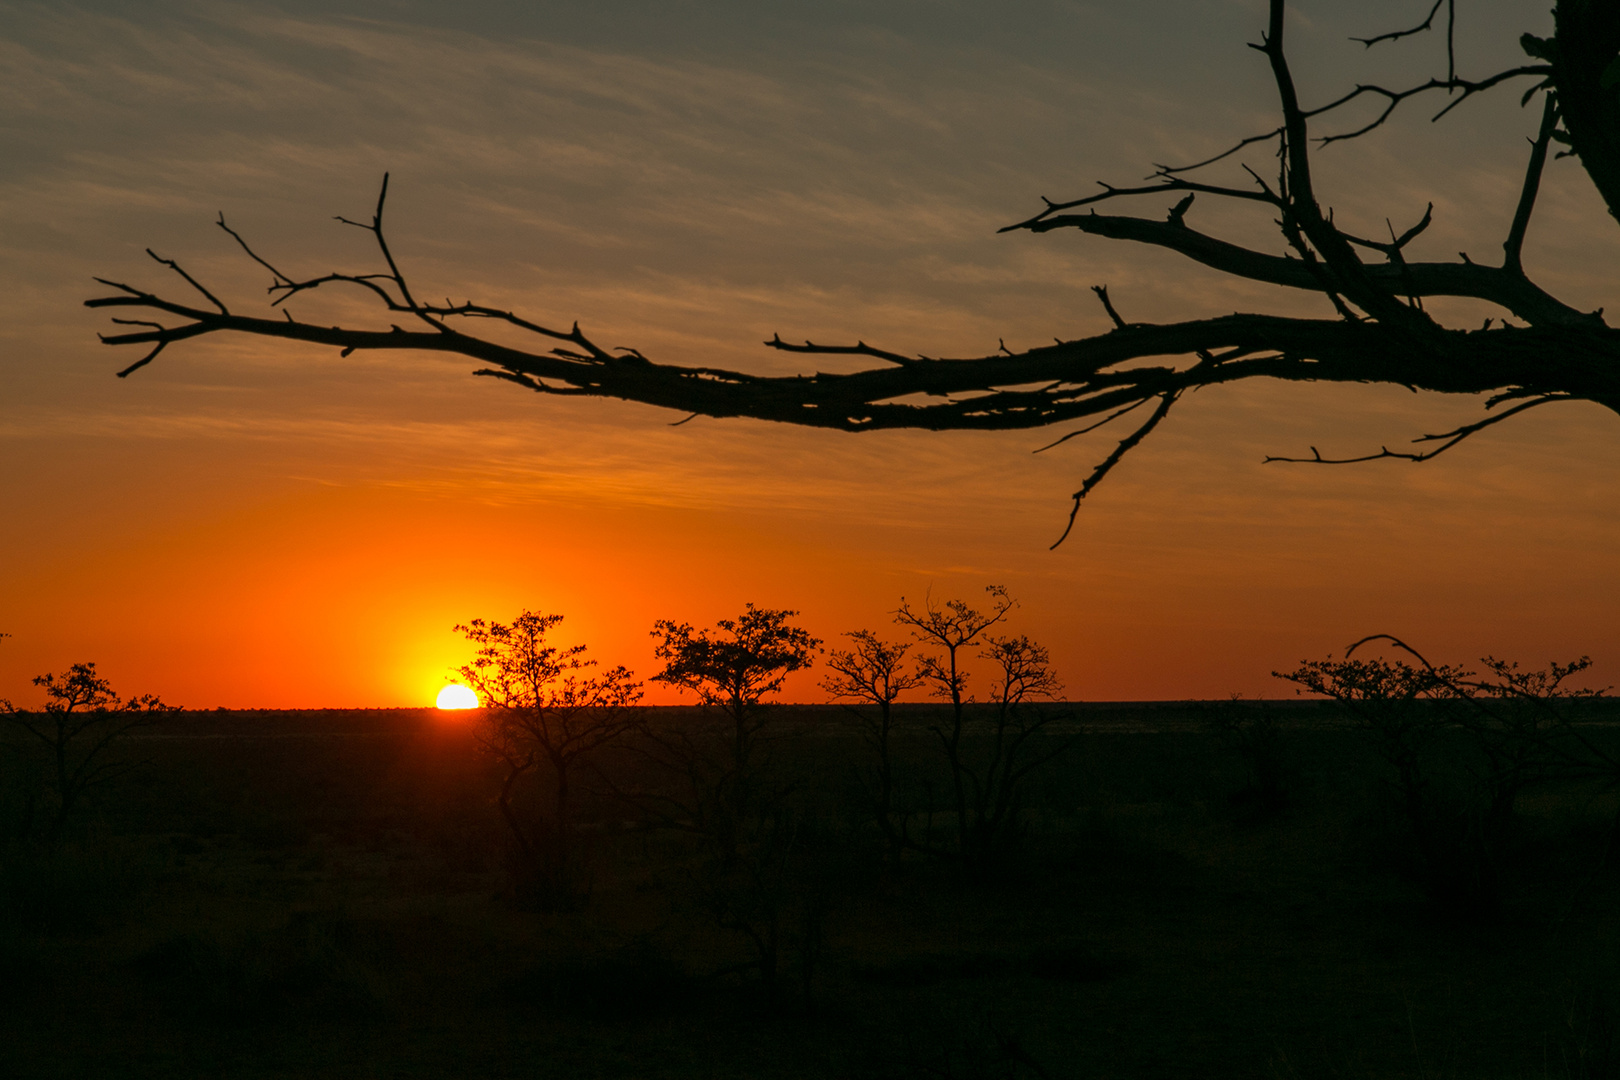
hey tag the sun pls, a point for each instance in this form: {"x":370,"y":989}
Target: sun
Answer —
{"x":456,"y":696}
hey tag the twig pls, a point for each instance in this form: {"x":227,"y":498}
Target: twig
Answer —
{"x":1452,"y":438}
{"x":1108,"y":306}
{"x":1125,"y":446}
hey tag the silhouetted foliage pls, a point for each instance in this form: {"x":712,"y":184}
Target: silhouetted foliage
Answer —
{"x":1463,"y":748}
{"x":988,"y":767}
{"x":758,"y":871}
{"x":732,"y":670}
{"x":544,"y":712}
{"x":82,"y":718}
{"x":871,"y":676}
{"x":1381,"y":332}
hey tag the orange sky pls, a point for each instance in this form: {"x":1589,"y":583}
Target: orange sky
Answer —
{"x":247,"y":525}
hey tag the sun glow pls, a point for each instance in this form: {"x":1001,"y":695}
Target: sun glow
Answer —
{"x":456,"y":696}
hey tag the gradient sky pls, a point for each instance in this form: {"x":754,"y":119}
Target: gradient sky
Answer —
{"x":256,"y":525}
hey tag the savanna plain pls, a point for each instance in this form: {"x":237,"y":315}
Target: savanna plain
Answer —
{"x":1217,"y":889}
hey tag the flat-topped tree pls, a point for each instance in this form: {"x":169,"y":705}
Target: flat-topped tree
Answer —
{"x":733,"y":669}
{"x":1381,"y":332}
{"x":547,"y":712}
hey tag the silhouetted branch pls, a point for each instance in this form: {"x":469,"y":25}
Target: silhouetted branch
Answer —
{"x":1394,"y":98}
{"x":1167,"y":182}
{"x":1395,"y":641}
{"x":1396,"y":35}
{"x":1126,"y":445}
{"x":1108,"y":305}
{"x":1513,"y":246}
{"x":860,"y":348}
{"x":1450,"y":439}
{"x":1393,"y":248}
{"x":1089,"y":428}
{"x":1171,"y":170}
{"x":172,"y":265}
{"x":1382,"y":333}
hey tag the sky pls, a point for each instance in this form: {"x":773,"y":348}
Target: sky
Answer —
{"x":251,"y":524}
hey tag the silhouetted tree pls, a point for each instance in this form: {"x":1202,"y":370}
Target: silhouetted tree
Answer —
{"x":1022,"y":679}
{"x":758,"y":867}
{"x":988,"y":763}
{"x":732,"y":670}
{"x":1460,"y":806}
{"x":82,"y":717}
{"x":1381,"y":332}
{"x":543,"y":711}
{"x":950,"y":629}
{"x":1394,"y":703}
{"x":871,"y":675}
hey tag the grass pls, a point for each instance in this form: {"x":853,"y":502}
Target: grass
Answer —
{"x":323,"y":895}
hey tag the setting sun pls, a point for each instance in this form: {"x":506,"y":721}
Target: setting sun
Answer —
{"x":456,"y":696}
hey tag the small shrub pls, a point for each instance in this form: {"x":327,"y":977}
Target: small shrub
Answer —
{"x":82,"y":718}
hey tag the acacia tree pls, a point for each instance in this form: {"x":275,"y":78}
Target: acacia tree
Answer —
{"x":1460,"y":806}
{"x":1381,"y":332}
{"x":872,"y":674}
{"x":948,"y":630}
{"x":1395,"y":703}
{"x":543,"y":712}
{"x":732,"y":670}
{"x":83,"y":716}
{"x":759,"y":874}
{"x":1021,"y":682}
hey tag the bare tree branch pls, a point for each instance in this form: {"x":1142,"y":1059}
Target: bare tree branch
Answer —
{"x":1382,"y":333}
{"x":1512,"y":291}
{"x":1396,"y":35}
{"x":1447,"y":439}
{"x":1513,"y":246}
{"x":1126,"y":445}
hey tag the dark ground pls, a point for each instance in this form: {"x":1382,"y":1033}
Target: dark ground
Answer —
{"x":323,"y":894}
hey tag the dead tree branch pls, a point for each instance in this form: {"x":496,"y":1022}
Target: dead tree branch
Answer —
{"x":1381,"y":333}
